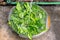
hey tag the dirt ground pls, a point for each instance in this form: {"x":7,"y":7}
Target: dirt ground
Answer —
{"x":6,"y":32}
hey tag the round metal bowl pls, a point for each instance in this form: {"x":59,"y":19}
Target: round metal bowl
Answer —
{"x":47,"y":24}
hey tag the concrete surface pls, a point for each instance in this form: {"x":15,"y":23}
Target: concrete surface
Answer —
{"x":6,"y":32}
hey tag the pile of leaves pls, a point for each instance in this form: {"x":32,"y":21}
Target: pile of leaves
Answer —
{"x":28,"y":21}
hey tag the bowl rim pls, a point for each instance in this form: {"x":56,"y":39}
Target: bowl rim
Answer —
{"x":10,"y":12}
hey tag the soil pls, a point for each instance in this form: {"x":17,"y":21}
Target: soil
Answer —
{"x":6,"y":33}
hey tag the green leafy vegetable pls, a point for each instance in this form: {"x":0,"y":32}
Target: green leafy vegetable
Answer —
{"x":27,"y":22}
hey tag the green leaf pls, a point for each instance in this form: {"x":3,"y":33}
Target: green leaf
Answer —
{"x":26,"y":22}
{"x":18,"y":6}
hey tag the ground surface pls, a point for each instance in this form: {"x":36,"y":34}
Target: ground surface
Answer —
{"x":6,"y":32}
